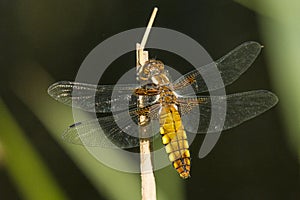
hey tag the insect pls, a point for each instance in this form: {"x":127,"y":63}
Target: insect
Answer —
{"x":167,"y":103}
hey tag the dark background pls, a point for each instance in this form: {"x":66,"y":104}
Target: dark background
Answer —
{"x":252,"y":161}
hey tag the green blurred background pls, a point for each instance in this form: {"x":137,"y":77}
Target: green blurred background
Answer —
{"x":46,"y":41}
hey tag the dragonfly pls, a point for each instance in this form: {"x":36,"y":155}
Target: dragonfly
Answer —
{"x":167,"y":104}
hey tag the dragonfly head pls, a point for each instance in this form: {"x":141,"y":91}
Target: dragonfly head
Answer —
{"x":153,"y":71}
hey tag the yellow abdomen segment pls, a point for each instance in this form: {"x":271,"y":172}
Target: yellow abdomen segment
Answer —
{"x":175,"y":140}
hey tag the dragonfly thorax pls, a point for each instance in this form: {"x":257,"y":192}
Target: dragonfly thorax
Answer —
{"x":167,"y":96}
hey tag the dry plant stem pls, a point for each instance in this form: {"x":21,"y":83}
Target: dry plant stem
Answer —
{"x":147,"y":176}
{"x":150,"y":23}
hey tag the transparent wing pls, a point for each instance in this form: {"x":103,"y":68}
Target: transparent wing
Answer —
{"x":231,"y":66}
{"x":240,"y":107}
{"x":94,"y":98}
{"x":117,"y":131}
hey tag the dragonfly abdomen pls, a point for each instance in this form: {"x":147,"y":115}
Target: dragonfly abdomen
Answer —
{"x":175,"y":140}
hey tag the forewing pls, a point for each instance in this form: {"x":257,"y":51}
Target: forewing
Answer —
{"x":230,"y":67}
{"x":240,"y":108}
{"x":94,"y":98}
